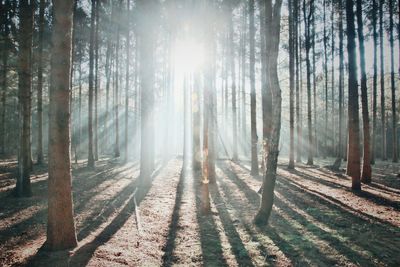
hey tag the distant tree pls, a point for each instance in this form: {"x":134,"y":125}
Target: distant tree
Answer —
{"x":375,"y":80}
{"x":291,"y":83}
{"x":393,"y":83}
{"x":382,"y":69}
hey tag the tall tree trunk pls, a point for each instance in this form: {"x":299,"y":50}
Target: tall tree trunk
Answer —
{"x":40,"y":85}
{"x":333,"y":77}
{"x":146,"y":35}
{"x":393,"y":84}
{"x":5,"y":50}
{"x":353,"y":158}
{"x":60,"y":222}
{"x":297,"y":43}
{"x":96,"y":84}
{"x":254,"y":138}
{"x":243,"y":65}
{"x":196,"y":124}
{"x":315,"y":141}
{"x":23,"y":187}
{"x":272,"y":18}
{"x":325,"y":136}
{"x":116,"y":88}
{"x":233,"y":87}
{"x":366,"y":170}
{"x":375,"y":81}
{"x":383,"y":119}
{"x":128,"y":44}
{"x":307,"y":20}
{"x":291,"y":85}
{"x":90,"y":163}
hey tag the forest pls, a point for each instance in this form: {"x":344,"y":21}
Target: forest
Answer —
{"x":199,"y":133}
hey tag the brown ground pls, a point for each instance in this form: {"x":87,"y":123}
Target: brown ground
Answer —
{"x":316,"y":220}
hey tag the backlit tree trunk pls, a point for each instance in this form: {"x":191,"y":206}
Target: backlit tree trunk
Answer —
{"x":353,"y":158}
{"x":40,"y":85}
{"x":366,"y":170}
{"x":291,"y":85}
{"x":233,"y":87}
{"x":23,"y":187}
{"x":382,"y":61}
{"x":272,"y":37}
{"x":60,"y":223}
{"x":375,"y":81}
{"x":393,"y":84}
{"x":254,"y":138}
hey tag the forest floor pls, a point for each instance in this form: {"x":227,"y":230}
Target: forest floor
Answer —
{"x":316,"y":221}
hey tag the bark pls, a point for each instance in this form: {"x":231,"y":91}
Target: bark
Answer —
{"x":272,"y":36}
{"x":375,"y":81}
{"x":90,"y":163}
{"x":196,"y":125}
{"x":315,"y":141}
{"x":116,"y":88}
{"x":146,"y":35}
{"x":333,"y":76}
{"x":23,"y":187}
{"x":325,"y":40}
{"x":366,"y":170}
{"x":96,"y":84}
{"x":298,"y":120}
{"x":60,"y":227}
{"x":382,"y":61}
{"x":393,"y":84}
{"x":40,"y":85}
{"x":291,"y":85}
{"x":233,"y":88}
{"x":353,"y":156}
{"x":253,"y":115}
{"x":243,"y":91}
{"x":307,"y":20}
{"x":4,"y":84}
{"x":128,"y":44}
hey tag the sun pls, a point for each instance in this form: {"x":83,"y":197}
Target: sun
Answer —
{"x":189,"y":56}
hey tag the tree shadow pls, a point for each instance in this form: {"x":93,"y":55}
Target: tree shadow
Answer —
{"x":128,"y":199}
{"x":298,"y":248}
{"x":173,"y":226}
{"x":238,"y":249}
{"x":379,"y":200}
{"x":211,"y":247}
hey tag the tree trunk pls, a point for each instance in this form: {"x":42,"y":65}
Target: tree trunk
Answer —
{"x":128,"y":44}
{"x":40,"y":85}
{"x":233,"y":87}
{"x":383,"y":119}
{"x":307,"y":20}
{"x":254,"y":137}
{"x":393,"y":84}
{"x":196,"y":125}
{"x":96,"y":84}
{"x":375,"y":81}
{"x":5,"y":33}
{"x":146,"y":35}
{"x":325,"y":136}
{"x":116,"y":88}
{"x":298,"y":120}
{"x":333,"y":78}
{"x":291,"y":85}
{"x":23,"y":187}
{"x":272,"y":18}
{"x":60,"y":226}
{"x":366,"y":170}
{"x":353,"y":158}
{"x":90,"y":163}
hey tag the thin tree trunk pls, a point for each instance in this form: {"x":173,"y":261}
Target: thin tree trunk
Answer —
{"x":366,"y":170}
{"x":4,"y":83}
{"x":23,"y":187}
{"x":375,"y":81}
{"x":60,"y":227}
{"x":233,"y":87}
{"x":40,"y":85}
{"x":291,"y":85}
{"x":325,"y":136}
{"x":90,"y":163}
{"x":333,"y":78}
{"x":393,"y":84}
{"x":307,"y":19}
{"x":315,"y":141}
{"x":128,"y":44}
{"x":96,"y":85}
{"x":254,"y":137}
{"x":116,"y":88}
{"x":353,"y":158}
{"x":383,"y":119}
{"x":298,"y":121}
